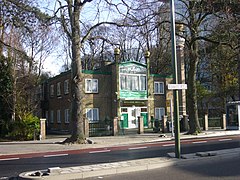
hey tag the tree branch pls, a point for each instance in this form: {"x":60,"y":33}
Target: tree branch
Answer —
{"x":14,"y":49}
{"x":215,"y":42}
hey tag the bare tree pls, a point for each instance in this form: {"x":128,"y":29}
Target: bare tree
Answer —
{"x":19,"y":21}
{"x":73,"y":25}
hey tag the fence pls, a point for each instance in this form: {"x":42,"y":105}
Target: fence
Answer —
{"x":213,"y":122}
{"x":100,"y":129}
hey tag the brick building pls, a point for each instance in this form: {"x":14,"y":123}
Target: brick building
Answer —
{"x":125,"y":90}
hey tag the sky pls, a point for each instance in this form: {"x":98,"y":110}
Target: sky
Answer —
{"x":55,"y":61}
{"x":91,"y":13}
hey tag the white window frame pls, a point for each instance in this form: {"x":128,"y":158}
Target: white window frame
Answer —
{"x":66,"y":115}
{"x":133,"y":82}
{"x":159,"y":112}
{"x":89,"y":84}
{"x":143,"y":87}
{"x":66,"y":86}
{"x":160,"y":87}
{"x":52,"y":90}
{"x":90,"y":114}
{"x":59,"y":89}
{"x":51,"y":116}
{"x":59,"y":116}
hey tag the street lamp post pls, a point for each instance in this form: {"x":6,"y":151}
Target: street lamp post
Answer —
{"x":239,"y":68}
{"x":175,"y":76}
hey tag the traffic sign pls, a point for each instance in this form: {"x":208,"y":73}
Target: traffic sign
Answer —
{"x":177,"y":86}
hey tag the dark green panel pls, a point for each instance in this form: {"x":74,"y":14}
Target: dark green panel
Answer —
{"x":145,"y":119}
{"x":125,"y":120}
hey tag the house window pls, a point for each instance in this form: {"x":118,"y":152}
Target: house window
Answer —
{"x":92,"y":114}
{"x":52,"y":90}
{"x":66,"y":86}
{"x":133,"y":82}
{"x":66,"y":115}
{"x":159,"y":113}
{"x":143,"y":109}
{"x":59,"y":89}
{"x":58,"y":116}
{"x":51,"y":116}
{"x":158,"y":87}
{"x":91,"y":85}
{"x":143,"y":83}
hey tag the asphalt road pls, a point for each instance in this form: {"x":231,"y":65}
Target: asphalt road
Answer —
{"x":10,"y":168}
{"x":226,"y":168}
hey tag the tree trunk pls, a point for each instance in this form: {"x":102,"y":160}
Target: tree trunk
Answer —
{"x":194,"y":126}
{"x":77,"y":118}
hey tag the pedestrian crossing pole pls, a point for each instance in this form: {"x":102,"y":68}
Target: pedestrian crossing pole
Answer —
{"x":175,"y":77}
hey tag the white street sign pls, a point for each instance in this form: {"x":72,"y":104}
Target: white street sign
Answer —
{"x":177,"y":86}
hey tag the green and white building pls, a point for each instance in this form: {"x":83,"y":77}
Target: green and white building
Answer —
{"x":125,"y":90}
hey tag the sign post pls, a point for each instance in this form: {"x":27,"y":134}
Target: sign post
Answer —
{"x":175,"y":76}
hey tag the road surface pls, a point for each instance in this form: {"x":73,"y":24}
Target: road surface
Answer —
{"x":226,"y":168}
{"x":12,"y":166}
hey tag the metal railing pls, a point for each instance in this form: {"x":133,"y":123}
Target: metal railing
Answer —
{"x":100,"y":129}
{"x":213,"y":122}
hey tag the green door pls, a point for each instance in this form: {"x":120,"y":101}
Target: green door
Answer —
{"x":125,"y":120}
{"x":145,"y":120}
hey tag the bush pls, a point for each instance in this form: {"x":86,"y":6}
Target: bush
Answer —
{"x":26,"y":129}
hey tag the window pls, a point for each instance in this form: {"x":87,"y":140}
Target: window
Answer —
{"x":123,"y":82}
{"x":143,"y":109}
{"x":52,"y":90}
{"x":133,"y":82}
{"x":51,"y":116}
{"x":92,"y":114}
{"x":143,"y":83}
{"x":66,"y":86}
{"x":66,"y":115}
{"x":123,"y":109}
{"x":159,"y":112}
{"x":91,"y":85}
{"x":59,"y":89}
{"x":158,"y":87}
{"x":58,"y":116}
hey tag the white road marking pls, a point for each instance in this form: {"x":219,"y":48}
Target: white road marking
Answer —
{"x":102,"y":151}
{"x":55,"y":155}
{"x":198,"y":142}
{"x":9,"y":159}
{"x":225,"y":139}
{"x":165,"y":145}
{"x":3,"y":177}
{"x":135,"y":148}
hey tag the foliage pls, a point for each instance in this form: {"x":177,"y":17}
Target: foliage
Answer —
{"x":5,"y":94}
{"x":26,"y":129}
{"x":22,"y":14}
{"x":202,"y":92}
{"x":25,"y":42}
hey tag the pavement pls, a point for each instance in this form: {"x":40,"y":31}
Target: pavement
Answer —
{"x":51,"y":145}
